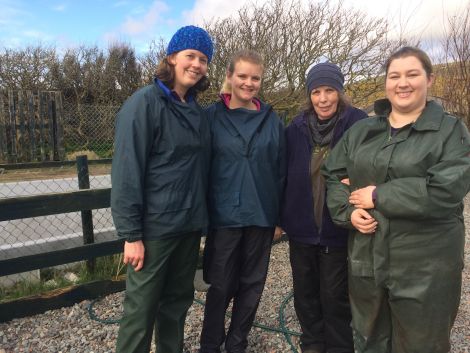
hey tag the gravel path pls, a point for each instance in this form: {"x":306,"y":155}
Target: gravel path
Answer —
{"x":70,"y":330}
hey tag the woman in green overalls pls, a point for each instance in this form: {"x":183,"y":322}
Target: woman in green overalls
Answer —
{"x":409,"y":169}
{"x":159,"y":180}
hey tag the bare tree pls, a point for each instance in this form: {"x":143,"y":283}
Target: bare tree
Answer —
{"x":82,"y":71}
{"x":150,"y":60}
{"x":291,"y":36}
{"x":456,"y":70}
{"x":121,"y":75}
{"x":29,"y":68}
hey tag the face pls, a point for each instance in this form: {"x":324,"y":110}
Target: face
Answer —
{"x":406,"y":85}
{"x":325,"y":101}
{"x":190,"y":66}
{"x":245,"y":81}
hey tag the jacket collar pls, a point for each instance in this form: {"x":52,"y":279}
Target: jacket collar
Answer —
{"x":430,"y":118}
{"x":172,"y":94}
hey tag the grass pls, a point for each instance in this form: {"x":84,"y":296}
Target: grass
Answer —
{"x":107,"y":267}
{"x":104,"y":149}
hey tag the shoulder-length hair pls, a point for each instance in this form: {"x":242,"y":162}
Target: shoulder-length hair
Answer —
{"x":165,"y":72}
{"x":343,"y":103}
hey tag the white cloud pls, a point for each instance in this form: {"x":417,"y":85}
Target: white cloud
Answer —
{"x":136,"y":25}
{"x":10,"y":14}
{"x":60,"y":7}
{"x":120,"y":3}
{"x":210,"y":9}
{"x":34,"y":34}
{"x":419,"y":18}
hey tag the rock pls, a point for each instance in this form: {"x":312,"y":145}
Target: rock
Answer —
{"x":199,"y":283}
{"x":71,"y":277}
{"x":51,"y":283}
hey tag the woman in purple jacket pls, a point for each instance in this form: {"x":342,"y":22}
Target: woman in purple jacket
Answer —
{"x":318,"y":248}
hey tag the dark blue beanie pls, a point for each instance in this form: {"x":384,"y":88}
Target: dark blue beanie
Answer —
{"x":324,"y":74}
{"x":191,"y":37}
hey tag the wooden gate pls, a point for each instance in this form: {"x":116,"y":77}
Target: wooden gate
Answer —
{"x":31,"y":127}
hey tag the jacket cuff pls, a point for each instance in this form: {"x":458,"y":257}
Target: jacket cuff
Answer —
{"x":131,"y":237}
{"x":374,"y":196}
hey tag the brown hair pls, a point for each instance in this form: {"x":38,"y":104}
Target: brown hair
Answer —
{"x":242,"y":55}
{"x":411,"y":51}
{"x":166,"y":73}
{"x":343,"y":103}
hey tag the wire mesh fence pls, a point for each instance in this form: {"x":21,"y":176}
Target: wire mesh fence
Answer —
{"x":91,"y":128}
{"x":29,"y":236}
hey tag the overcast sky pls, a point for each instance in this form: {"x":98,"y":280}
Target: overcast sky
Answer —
{"x":69,"y":23}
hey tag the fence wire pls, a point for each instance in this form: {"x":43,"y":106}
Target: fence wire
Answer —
{"x":88,"y":129}
{"x":30,"y":236}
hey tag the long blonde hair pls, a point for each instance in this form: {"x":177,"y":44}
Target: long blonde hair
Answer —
{"x":242,"y":55}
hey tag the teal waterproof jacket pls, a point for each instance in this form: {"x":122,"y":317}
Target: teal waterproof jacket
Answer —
{"x":160,"y":167}
{"x":422,"y":173}
{"x":247,"y":167}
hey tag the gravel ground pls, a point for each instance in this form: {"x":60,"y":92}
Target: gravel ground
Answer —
{"x":70,"y":330}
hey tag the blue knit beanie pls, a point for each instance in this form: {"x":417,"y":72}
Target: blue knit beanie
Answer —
{"x":191,"y":37}
{"x":325,"y":74}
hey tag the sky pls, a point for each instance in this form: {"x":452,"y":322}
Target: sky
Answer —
{"x":70,"y":23}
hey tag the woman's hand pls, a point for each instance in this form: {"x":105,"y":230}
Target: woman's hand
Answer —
{"x":277,"y":233}
{"x":134,"y":254}
{"x":362,"y":198}
{"x":363,"y":221}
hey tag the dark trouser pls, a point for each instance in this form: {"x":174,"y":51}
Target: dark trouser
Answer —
{"x":237,"y":268}
{"x":410,"y":315}
{"x":159,"y":296}
{"x":320,"y":277}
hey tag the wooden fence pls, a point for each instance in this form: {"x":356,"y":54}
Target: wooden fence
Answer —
{"x":35,"y":258}
{"x":31,"y":126}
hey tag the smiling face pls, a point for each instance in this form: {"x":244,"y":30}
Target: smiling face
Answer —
{"x":190,"y":66}
{"x":325,"y":101}
{"x":407,"y":84}
{"x":245,"y":82}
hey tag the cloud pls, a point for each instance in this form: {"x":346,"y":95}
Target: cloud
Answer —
{"x":10,"y":14}
{"x":416,"y":18}
{"x":60,"y":7}
{"x":34,"y":34}
{"x":205,"y":10}
{"x":120,"y":3}
{"x":136,"y":25}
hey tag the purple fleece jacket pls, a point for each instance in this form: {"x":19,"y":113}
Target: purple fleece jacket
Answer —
{"x":297,"y":216}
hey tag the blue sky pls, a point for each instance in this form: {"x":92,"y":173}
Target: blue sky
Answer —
{"x":69,"y":23}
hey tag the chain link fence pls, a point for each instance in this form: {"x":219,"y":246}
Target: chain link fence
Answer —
{"x":88,"y":130}
{"x":36,"y":235}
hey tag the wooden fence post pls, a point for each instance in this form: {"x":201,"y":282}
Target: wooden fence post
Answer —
{"x":87,"y":217}
{"x":42,"y":137}
{"x":31,"y":122}
{"x":59,"y":111}
{"x":22,"y":150}
{"x":50,"y":126}
{"x":3,"y":132}
{"x":12,"y":111}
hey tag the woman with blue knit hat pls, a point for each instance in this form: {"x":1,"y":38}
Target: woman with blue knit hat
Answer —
{"x":158,"y":196}
{"x":318,"y":248}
